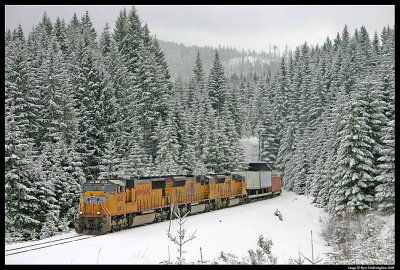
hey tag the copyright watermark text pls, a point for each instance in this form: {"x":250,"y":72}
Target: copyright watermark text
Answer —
{"x":370,"y":267}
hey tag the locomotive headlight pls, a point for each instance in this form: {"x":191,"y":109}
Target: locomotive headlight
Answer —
{"x":98,"y":213}
{"x":80,"y":213}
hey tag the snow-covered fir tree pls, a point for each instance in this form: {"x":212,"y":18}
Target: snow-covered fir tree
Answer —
{"x":167,"y":161}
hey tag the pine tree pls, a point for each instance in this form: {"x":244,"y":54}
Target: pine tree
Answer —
{"x":88,"y":31}
{"x":59,"y":31}
{"x":281,"y":100}
{"x":105,"y":41}
{"x":21,"y":204}
{"x":73,"y":36}
{"x":326,"y":70}
{"x":8,"y":37}
{"x":268,"y":133}
{"x":234,"y":101}
{"x":216,"y":85}
{"x":50,"y":225}
{"x":213,"y":157}
{"x":335,"y":110}
{"x":297,"y":168}
{"x":18,"y":80}
{"x":355,"y":164}
{"x":68,"y":188}
{"x":54,"y":86}
{"x":319,"y":152}
{"x":286,"y":148}
{"x":188,"y":155}
{"x":294,"y":93}
{"x":315,"y":102}
{"x":107,"y":165}
{"x":50,"y":174}
{"x":364,"y":51}
{"x":385,"y":190}
{"x":202,"y":117}
{"x":88,"y":96}
{"x":304,"y":101}
{"x":46,"y":24}
{"x":119,"y":99}
{"x":167,"y":160}
{"x":135,"y":163}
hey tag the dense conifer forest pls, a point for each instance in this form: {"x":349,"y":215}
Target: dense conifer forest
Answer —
{"x":81,"y":105}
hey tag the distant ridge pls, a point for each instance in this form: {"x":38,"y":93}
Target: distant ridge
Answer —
{"x":180,"y":59}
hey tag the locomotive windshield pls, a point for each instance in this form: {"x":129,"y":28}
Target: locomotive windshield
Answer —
{"x":98,"y":185}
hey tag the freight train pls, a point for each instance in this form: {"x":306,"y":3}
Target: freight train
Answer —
{"x":108,"y":205}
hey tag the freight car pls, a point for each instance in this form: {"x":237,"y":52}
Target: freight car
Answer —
{"x":108,"y":205}
{"x":261,"y":180}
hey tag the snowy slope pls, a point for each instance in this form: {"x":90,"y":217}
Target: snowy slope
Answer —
{"x":233,"y":230}
{"x":237,"y":60}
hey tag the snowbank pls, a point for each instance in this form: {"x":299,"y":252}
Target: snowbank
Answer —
{"x":233,"y":230}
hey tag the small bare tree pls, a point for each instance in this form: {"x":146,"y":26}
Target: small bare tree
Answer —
{"x":298,"y":261}
{"x":180,"y":239}
{"x":312,"y":260}
{"x":202,"y":261}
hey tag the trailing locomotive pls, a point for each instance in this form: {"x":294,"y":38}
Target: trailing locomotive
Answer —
{"x":108,"y":205}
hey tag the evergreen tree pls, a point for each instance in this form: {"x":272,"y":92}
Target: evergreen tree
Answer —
{"x":268,"y":133}
{"x":46,"y":24}
{"x":167,"y":160}
{"x":281,"y":94}
{"x":355,"y":164}
{"x":50,"y":174}
{"x":304,"y":100}
{"x":315,"y":102}
{"x":68,"y":188}
{"x":135,"y":163}
{"x":385,"y":190}
{"x":213,"y":157}
{"x":285,"y":150}
{"x":88,"y":96}
{"x":107,"y":166}
{"x":59,"y":31}
{"x":21,"y":204}
{"x":216,"y":85}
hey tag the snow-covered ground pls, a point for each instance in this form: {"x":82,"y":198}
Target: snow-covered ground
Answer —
{"x":234,"y":230}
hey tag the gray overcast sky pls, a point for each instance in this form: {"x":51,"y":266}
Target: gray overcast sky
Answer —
{"x":249,"y":27}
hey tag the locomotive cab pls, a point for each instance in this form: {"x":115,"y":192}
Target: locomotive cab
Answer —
{"x":95,"y":203}
{"x":99,"y":185}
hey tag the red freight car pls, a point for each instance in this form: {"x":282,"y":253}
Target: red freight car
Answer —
{"x":276,"y":183}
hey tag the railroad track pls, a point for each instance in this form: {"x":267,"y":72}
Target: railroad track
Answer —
{"x":47,"y":244}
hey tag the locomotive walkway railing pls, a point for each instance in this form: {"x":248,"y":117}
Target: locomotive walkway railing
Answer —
{"x":108,"y":213}
{"x":154,"y":203}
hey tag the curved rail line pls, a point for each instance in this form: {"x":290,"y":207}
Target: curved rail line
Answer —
{"x":83,"y":237}
{"x":43,"y":243}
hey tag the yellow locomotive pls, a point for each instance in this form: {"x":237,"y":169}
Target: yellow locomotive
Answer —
{"x":108,"y":205}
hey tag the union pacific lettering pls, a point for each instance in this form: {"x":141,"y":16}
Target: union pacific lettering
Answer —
{"x":143,"y":191}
